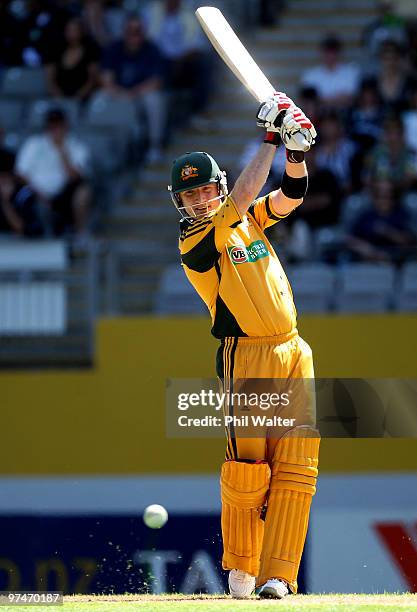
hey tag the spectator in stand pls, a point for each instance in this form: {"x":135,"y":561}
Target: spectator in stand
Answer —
{"x":321,"y":206}
{"x":410,"y":118}
{"x":133,"y":68}
{"x":393,"y":76}
{"x":411,"y":46}
{"x":382,"y":232}
{"x":173,"y":28}
{"x":73,"y":73}
{"x":391,"y":159}
{"x":387,"y":26}
{"x":10,"y":50}
{"x":55,"y":165}
{"x":19,"y":213}
{"x":105,"y":21}
{"x":364,"y":121}
{"x":366,"y":116}
{"x":335,"y":81}
{"x":334,"y":150}
{"x":38,"y":24}
{"x":308,"y":98}
{"x":93,"y":17}
{"x":5,"y":152}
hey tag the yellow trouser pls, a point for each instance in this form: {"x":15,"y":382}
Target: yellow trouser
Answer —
{"x":253,"y":367}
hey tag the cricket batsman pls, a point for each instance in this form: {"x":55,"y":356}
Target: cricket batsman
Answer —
{"x":267,"y":483}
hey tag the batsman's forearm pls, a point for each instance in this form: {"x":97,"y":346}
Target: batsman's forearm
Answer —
{"x":293,"y":188}
{"x":253,"y":178}
{"x":296,"y":170}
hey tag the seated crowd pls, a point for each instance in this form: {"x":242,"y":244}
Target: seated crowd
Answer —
{"x":90,"y":50}
{"x":363,"y":168}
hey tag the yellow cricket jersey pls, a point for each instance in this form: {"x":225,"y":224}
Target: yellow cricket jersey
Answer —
{"x":235,"y":270}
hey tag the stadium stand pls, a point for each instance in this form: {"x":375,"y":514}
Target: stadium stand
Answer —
{"x":38,"y":109}
{"x":132,"y":229}
{"x":365,"y":288}
{"x":24,"y":83}
{"x":314,"y":286}
{"x":11,"y":112}
{"x":176,"y":296}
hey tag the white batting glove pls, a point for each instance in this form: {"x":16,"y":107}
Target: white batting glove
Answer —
{"x":297,"y":131}
{"x":272,"y":111}
{"x":285,"y":122}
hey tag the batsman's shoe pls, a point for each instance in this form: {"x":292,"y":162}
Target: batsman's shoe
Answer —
{"x":241,"y":584}
{"x":273,"y":589}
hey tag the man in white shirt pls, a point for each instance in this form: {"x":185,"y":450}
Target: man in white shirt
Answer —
{"x":55,"y":165}
{"x":335,"y":81}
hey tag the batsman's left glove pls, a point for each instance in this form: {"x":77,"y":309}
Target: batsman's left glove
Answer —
{"x":287,"y":123}
{"x":271,"y":112}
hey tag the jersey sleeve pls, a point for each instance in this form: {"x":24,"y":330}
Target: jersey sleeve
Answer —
{"x":201,"y":242}
{"x":263,"y":214}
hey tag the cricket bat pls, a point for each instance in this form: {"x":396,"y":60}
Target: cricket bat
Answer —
{"x":233,"y":53}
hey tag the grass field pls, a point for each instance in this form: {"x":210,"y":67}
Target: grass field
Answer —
{"x":211,"y":603}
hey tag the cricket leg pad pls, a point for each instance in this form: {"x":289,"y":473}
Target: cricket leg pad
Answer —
{"x":243,"y":490}
{"x":293,"y":484}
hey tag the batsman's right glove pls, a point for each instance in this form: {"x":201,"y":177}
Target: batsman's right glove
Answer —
{"x":271,"y":112}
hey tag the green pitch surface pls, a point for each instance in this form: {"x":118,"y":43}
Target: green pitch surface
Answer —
{"x":212,"y":603}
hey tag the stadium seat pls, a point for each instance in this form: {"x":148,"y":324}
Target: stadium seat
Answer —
{"x":11,"y":114}
{"x":406,"y":296}
{"x":176,"y":295}
{"x":24,"y":83}
{"x":107,"y":153}
{"x":146,"y":251}
{"x":38,"y":108}
{"x":117,"y":119}
{"x":103,"y":111}
{"x":313,"y":286}
{"x":365,"y":288}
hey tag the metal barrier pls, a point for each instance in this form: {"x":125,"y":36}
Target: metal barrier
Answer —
{"x":47,"y":316}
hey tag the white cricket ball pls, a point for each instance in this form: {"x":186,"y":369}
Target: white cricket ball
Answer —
{"x":155,"y":516}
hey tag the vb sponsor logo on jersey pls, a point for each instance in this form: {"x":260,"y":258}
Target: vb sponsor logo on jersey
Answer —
{"x":247,"y":254}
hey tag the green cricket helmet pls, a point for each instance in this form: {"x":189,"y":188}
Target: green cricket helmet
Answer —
{"x":191,"y":171}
